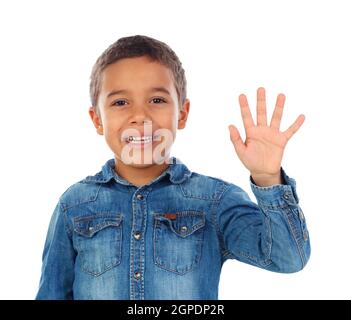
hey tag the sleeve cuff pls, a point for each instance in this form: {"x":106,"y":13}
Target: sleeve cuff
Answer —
{"x":275,"y":194}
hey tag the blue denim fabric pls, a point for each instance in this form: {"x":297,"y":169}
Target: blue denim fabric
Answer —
{"x":109,"y":239}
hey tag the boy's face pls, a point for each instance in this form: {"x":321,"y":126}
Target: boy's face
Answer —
{"x":139,"y":111}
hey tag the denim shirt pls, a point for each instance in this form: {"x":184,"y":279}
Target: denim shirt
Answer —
{"x":168,"y":239}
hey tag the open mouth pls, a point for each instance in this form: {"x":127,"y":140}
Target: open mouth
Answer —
{"x":141,"y":140}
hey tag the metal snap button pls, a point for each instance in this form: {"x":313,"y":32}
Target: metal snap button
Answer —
{"x":184,"y":228}
{"x":137,"y":275}
{"x":305,"y":235}
{"x":286,"y":196}
{"x":140,"y":197}
{"x":137,"y":235}
{"x":91,"y":229}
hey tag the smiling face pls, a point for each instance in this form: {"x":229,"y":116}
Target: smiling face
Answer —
{"x":138,"y":111}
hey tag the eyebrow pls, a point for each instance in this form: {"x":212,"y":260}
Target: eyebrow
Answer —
{"x":123,"y":91}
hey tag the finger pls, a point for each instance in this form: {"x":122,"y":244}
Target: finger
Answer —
{"x":245,"y":113}
{"x":261,"y":107}
{"x":295,"y":126}
{"x":278,"y":112}
{"x":236,"y":139}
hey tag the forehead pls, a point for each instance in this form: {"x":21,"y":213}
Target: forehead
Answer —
{"x":136,"y":72}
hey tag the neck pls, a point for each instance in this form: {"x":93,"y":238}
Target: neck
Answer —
{"x":139,"y":176}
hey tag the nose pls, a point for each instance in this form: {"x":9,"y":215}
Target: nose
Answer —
{"x":139,"y":116}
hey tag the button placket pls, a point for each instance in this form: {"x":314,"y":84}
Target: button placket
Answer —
{"x":137,"y":258}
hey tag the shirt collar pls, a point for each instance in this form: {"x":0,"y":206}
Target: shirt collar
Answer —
{"x":177,"y":172}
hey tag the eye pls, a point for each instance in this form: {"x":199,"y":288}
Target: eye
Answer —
{"x":119,"y":103}
{"x":158,"y":100}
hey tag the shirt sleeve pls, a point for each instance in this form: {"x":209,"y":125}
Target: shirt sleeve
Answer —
{"x":57,"y":273}
{"x":271,"y":234}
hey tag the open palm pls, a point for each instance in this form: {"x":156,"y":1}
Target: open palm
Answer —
{"x":263,"y":149}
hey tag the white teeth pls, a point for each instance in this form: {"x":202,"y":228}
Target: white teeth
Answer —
{"x":145,"y":139}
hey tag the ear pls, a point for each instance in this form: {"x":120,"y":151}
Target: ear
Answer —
{"x":95,"y":117}
{"x":183,"y":114}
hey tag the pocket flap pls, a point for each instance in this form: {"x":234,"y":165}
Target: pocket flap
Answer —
{"x":183,"y":223}
{"x":89,"y":225}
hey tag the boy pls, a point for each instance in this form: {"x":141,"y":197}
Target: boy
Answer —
{"x":145,"y":227}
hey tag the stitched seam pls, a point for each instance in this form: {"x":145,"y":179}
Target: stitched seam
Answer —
{"x":295,"y":239}
{"x":92,"y":199}
{"x":132,"y":292}
{"x":186,"y":195}
{"x":224,"y":250}
{"x":68,"y":229}
{"x":108,"y":215}
{"x":142,"y":243}
{"x":185,"y":213}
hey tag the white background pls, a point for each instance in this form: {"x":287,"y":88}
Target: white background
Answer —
{"x":300,"y":48}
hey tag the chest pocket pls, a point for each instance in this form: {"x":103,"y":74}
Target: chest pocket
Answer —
{"x":178,"y":240}
{"x":98,"y":240}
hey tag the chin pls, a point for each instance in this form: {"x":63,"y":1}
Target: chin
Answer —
{"x":139,"y":162}
{"x":143,"y":159}
{"x":141,"y":165}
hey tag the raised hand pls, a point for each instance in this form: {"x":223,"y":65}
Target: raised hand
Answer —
{"x":263,"y":149}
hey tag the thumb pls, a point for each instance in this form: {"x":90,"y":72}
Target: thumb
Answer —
{"x":236,"y":139}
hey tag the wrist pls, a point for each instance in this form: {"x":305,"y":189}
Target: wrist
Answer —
{"x":266,"y":180}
